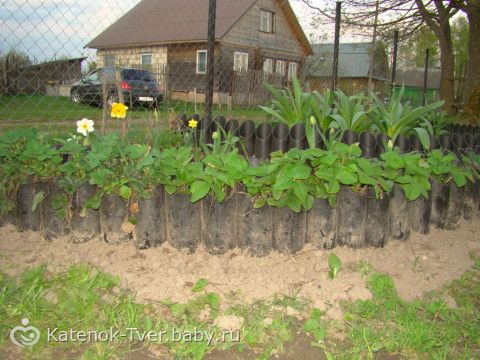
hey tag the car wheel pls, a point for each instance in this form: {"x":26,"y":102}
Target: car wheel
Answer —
{"x":75,"y":97}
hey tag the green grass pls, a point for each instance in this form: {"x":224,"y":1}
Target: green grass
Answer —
{"x":422,"y":329}
{"x":41,"y":108}
{"x":83,"y":298}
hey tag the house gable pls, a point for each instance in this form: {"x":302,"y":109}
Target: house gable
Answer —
{"x":287,"y":37}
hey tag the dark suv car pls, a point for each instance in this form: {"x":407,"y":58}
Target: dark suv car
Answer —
{"x":138,"y":87}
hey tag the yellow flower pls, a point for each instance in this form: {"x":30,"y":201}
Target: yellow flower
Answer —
{"x":85,"y":126}
{"x":193,"y":123}
{"x":215,"y":135}
{"x":119,"y":111}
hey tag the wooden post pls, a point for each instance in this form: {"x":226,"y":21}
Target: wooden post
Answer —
{"x":105,"y":103}
{"x":212,"y":10}
{"x":336,"y":45}
{"x":121,"y":99}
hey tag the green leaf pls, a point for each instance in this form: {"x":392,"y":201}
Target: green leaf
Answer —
{"x":311,"y":325}
{"x":259,"y":203}
{"x":37,"y":199}
{"x":136,"y":151}
{"x":334,"y":264}
{"x":393,"y":159}
{"x":347,"y":178}
{"x":125,"y":192}
{"x":412,"y":191}
{"x":333,"y":187}
{"x":213,"y":300}
{"x":170,"y":189}
{"x":299,"y":172}
{"x":200,"y":285}
{"x":300,"y":190}
{"x":199,"y":190}
{"x":94,"y":201}
{"x":459,"y":178}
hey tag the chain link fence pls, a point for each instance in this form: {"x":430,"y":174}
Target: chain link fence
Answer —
{"x":61,"y":60}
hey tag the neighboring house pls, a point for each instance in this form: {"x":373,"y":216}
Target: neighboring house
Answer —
{"x":353,"y":67}
{"x":412,"y":81}
{"x":171,"y":36}
{"x":44,"y":78}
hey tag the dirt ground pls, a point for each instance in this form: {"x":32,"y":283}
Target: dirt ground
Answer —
{"x":424,"y":262}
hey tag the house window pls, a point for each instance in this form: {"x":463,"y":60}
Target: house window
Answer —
{"x":292,"y":70}
{"x":201,"y":61}
{"x":266,"y":21}
{"x":268,"y":66}
{"x":146,"y":60}
{"x":109,"y":60}
{"x":240,"y":62}
{"x":280,"y":67}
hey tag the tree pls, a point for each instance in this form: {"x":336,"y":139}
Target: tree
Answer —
{"x":460,"y":44}
{"x":471,"y":8}
{"x":409,"y":16}
{"x":11,"y":62}
{"x":412,"y":51}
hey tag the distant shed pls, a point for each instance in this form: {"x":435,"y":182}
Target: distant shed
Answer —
{"x":353,"y":67}
{"x":39,"y":77}
{"x":412,"y":81}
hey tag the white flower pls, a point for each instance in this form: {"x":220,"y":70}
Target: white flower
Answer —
{"x":85,"y":126}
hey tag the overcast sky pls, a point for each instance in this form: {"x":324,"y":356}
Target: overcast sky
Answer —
{"x":45,"y":29}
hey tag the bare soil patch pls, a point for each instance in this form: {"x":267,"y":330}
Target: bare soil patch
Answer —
{"x":424,"y":262}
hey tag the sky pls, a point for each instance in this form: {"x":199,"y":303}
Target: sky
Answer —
{"x":49,"y":29}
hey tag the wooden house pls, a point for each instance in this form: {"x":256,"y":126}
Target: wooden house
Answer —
{"x":255,"y":40}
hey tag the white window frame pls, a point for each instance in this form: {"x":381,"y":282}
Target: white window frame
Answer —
{"x":268,"y":66}
{"x":280,"y":67}
{"x":291,"y":66}
{"x":146,"y":54}
{"x":267,"y":21}
{"x":240,"y":61}
{"x":198,"y":63}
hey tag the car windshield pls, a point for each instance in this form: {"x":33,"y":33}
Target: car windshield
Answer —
{"x":138,"y":75}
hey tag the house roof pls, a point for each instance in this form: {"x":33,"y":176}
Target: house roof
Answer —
{"x":58,"y":62}
{"x":353,"y":61}
{"x":173,"y":21}
{"x":414,"y":78}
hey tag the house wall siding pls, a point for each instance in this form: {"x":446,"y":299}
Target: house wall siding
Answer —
{"x":128,"y":56}
{"x":247,"y":31}
{"x":182,"y":68}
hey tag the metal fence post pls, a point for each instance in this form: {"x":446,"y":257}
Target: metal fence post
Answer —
{"x":394,"y":63}
{"x":210,"y":80}
{"x":336,"y":45}
{"x":425,"y":77}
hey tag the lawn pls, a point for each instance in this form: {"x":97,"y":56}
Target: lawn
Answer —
{"x":41,"y":108}
{"x":386,"y":326}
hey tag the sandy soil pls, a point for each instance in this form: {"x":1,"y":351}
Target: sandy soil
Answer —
{"x":420,"y":264}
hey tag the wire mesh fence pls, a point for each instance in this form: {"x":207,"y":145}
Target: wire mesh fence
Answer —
{"x":63,"y":60}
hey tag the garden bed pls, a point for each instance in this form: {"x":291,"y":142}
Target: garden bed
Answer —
{"x":272,"y":201}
